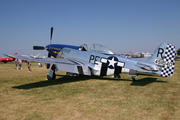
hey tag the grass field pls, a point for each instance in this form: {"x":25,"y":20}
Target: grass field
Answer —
{"x":27,"y":96}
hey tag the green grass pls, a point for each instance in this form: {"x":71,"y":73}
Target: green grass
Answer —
{"x":28,"y":96}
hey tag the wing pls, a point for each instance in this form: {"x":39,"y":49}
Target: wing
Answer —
{"x":67,"y":65}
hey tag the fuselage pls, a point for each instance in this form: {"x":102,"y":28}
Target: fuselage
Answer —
{"x":9,"y":59}
{"x":105,"y":64}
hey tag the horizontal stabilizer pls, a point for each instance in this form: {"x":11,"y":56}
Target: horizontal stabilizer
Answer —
{"x":146,"y":66}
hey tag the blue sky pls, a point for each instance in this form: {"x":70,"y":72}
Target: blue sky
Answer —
{"x":122,"y":25}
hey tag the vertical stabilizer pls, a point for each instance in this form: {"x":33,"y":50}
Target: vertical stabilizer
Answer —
{"x":164,"y":58}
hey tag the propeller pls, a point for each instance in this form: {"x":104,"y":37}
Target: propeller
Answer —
{"x":43,"y":48}
{"x":51,"y":34}
{"x":38,"y":47}
{"x":48,"y":65}
{"x":49,"y":54}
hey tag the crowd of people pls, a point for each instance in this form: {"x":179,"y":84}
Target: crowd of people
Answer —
{"x":18,"y":64}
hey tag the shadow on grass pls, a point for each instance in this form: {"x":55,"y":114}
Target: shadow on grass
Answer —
{"x":146,"y":81}
{"x":69,"y":79}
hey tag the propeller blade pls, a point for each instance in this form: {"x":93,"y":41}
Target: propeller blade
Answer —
{"x":49,"y":55}
{"x":48,"y":65}
{"x":38,"y":47}
{"x":51,"y":34}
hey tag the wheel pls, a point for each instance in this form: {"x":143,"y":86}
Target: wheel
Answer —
{"x":54,"y":76}
{"x":133,"y":79}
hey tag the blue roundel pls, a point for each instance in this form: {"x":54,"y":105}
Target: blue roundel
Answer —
{"x":112,"y":62}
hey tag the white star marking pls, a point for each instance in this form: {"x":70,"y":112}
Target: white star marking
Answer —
{"x":112,"y":62}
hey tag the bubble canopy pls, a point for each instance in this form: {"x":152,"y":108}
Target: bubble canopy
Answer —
{"x":101,"y":49}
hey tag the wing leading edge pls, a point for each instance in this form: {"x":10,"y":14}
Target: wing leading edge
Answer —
{"x":66,"y":65}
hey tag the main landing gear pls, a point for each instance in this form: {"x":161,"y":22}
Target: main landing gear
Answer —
{"x":133,"y":79}
{"x":51,"y":75}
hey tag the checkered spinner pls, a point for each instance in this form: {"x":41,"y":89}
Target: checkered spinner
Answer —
{"x":168,"y":69}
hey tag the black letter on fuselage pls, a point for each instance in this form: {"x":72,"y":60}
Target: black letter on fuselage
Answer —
{"x":160,"y":51}
{"x":96,"y":59}
{"x":91,"y":58}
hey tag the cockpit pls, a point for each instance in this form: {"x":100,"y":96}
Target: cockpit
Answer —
{"x":97,"y":48}
{"x":83,"y":47}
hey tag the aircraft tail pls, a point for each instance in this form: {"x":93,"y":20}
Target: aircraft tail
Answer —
{"x":132,"y":52}
{"x":164,"y":57}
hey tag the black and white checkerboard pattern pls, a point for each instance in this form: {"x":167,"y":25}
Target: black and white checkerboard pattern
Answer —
{"x":168,"y":70}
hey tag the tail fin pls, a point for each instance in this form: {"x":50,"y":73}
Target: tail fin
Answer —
{"x":164,"y":58}
{"x":132,"y":52}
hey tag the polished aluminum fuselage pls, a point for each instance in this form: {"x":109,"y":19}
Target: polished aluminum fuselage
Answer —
{"x":106,"y":63}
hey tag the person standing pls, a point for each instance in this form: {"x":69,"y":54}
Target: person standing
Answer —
{"x":16,"y":63}
{"x":29,"y":66}
{"x":20,"y":64}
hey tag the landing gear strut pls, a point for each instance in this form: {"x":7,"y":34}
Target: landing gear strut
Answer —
{"x":51,"y":75}
{"x":133,"y":79}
